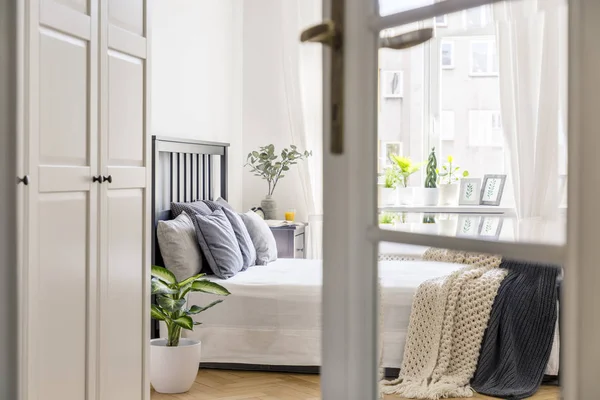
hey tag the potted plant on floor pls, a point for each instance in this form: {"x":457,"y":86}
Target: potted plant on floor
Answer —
{"x":265,"y":163}
{"x":449,"y":182}
{"x":431,"y":191}
{"x":174,"y":361}
{"x":405,"y":169}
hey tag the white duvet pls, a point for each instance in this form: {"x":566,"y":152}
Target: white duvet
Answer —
{"x":273,"y":316}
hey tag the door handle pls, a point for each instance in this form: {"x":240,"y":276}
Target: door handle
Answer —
{"x":98,"y":179}
{"x":108,"y":179}
{"x":406,"y":40}
{"x":24,"y":180}
{"x":330,"y":33}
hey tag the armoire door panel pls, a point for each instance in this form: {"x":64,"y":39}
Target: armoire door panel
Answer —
{"x":122,"y":307}
{"x":63,"y":100}
{"x":77,"y":5}
{"x":126,"y":42}
{"x":61,"y":16}
{"x":64,"y":179}
{"x":126,"y":133}
{"x":60,"y":324}
{"x":127,"y":177}
{"x":128,"y":15}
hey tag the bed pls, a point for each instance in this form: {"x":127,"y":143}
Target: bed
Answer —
{"x":273,"y":319}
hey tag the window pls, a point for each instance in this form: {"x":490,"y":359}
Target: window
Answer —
{"x":447,"y":125}
{"x":447,"y":49}
{"x":478,"y":17}
{"x":483,"y":58}
{"x":441,"y":20}
{"x":485,"y":128}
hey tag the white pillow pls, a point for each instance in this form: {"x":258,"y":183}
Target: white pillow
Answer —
{"x":179,"y":247}
{"x":262,"y":238}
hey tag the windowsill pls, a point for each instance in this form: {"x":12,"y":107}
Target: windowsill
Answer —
{"x":447,"y":67}
{"x":483,"y":74}
{"x":474,"y":209}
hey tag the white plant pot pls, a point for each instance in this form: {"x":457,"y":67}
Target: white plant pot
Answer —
{"x":174,"y":369}
{"x":448,"y":194}
{"x":405,"y":196}
{"x":447,"y":227}
{"x":431,"y":196}
{"x":388,"y":196}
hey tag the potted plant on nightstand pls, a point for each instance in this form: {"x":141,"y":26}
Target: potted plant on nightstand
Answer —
{"x":174,"y":361}
{"x":405,"y":169}
{"x":449,"y":177}
{"x":265,"y":163}
{"x":431,"y":191}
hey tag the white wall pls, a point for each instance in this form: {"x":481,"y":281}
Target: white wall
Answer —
{"x":196,"y":76}
{"x":265,"y":118}
{"x":8,"y":270}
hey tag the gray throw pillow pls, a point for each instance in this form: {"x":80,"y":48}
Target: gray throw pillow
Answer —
{"x":262,"y":238}
{"x":223,"y":203}
{"x":196,"y":207}
{"x":212,"y":205}
{"x":243,"y":237}
{"x":179,"y":247}
{"x":219,"y":244}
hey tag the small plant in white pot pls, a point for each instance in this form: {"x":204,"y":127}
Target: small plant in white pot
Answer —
{"x":449,"y":177}
{"x":405,"y":169}
{"x":388,"y":191}
{"x":387,"y":218}
{"x":174,"y":361}
{"x":431,"y":191}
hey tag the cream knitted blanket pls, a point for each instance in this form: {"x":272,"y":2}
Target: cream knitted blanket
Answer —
{"x":448,"y":319}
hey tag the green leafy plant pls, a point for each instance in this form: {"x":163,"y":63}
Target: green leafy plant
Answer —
{"x":432,"y":176}
{"x":405,"y":168}
{"x":270,"y":166}
{"x":387,"y":218}
{"x":390,"y":178}
{"x":449,"y":173}
{"x":170,"y":304}
{"x":429,"y":219}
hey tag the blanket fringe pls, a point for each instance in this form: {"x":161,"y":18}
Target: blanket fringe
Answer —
{"x":423,"y":389}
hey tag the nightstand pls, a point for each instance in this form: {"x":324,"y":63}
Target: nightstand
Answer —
{"x":290,"y":240}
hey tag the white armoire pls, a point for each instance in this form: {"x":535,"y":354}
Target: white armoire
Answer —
{"x":83,"y":150}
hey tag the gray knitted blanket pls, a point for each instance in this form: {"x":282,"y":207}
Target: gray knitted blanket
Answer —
{"x":518,"y":340}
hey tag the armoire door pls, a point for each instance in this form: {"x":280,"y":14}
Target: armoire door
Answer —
{"x":125,"y":207}
{"x":59,"y":263}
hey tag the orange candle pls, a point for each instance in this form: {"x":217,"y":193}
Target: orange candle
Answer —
{"x":290,"y":215}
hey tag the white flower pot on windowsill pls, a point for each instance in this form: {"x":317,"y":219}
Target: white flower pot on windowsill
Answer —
{"x":388,"y":196}
{"x":448,"y":194}
{"x":174,"y":369}
{"x":431,"y":196}
{"x":405,"y":196}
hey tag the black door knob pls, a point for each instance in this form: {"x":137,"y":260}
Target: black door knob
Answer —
{"x":108,"y":178}
{"x":98,"y":179}
{"x":24,"y":180}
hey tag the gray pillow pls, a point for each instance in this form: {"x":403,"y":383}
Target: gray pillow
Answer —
{"x":212,"y":205}
{"x":243,"y":238}
{"x":179,"y":247}
{"x":196,"y":207}
{"x":223,"y":203}
{"x":219,"y":244}
{"x":262,"y":238}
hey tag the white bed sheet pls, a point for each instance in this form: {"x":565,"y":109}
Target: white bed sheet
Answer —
{"x":273,"y":316}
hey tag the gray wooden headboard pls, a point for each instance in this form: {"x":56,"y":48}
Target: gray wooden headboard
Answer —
{"x":184,"y":170}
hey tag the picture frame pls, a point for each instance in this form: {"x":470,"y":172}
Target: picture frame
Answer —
{"x":470,"y":191}
{"x":492,"y":189}
{"x":468,"y":225}
{"x":490,"y":227}
{"x":392,"y":84}
{"x":386,"y":149}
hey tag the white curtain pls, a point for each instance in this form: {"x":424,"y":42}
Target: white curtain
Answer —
{"x":531,"y":40}
{"x":302,"y":80}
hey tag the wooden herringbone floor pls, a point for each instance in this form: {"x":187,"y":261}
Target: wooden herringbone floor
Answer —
{"x":241,"y":385}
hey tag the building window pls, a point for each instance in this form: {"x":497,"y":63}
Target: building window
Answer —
{"x":447,"y":125}
{"x":483,"y":58}
{"x":478,"y":17}
{"x":485,"y":128}
{"x":441,"y":20}
{"x":447,"y":50}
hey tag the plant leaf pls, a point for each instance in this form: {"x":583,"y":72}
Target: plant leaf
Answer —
{"x":156,"y":313}
{"x":209,"y":287}
{"x":190,"y":280}
{"x":197,"y":323}
{"x":159,"y":287}
{"x":169,"y":304}
{"x":185,"y":322}
{"x":197,"y":309}
{"x":163,"y":274}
